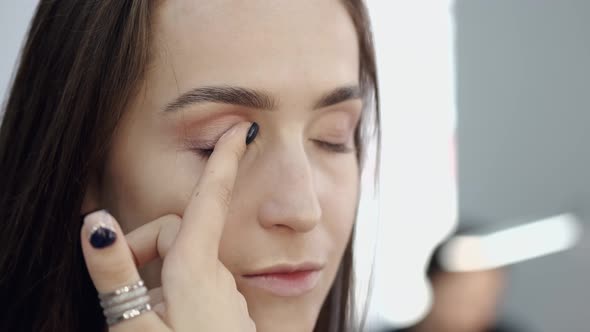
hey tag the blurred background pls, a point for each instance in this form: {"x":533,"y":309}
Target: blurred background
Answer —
{"x":523,"y":97}
{"x":522,"y":84}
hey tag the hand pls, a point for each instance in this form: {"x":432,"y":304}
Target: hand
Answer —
{"x":198,"y":292}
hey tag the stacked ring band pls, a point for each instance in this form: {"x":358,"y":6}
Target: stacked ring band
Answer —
{"x":125,"y":303}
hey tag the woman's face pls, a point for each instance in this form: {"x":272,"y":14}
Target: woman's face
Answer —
{"x":297,"y":187}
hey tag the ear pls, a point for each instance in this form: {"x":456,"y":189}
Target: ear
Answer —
{"x":91,"y":200}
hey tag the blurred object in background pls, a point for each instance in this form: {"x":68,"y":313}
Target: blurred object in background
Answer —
{"x":493,"y":246}
{"x":468,"y":272}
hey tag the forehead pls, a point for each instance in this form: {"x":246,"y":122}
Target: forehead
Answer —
{"x":266,"y":44}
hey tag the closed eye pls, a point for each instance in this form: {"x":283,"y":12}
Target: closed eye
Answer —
{"x":333,"y":147}
{"x":204,"y":153}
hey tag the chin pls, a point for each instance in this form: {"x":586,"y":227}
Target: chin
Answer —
{"x":294,"y":324}
{"x":285,"y":314}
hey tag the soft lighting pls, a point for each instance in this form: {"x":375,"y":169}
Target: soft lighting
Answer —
{"x":417,"y":207}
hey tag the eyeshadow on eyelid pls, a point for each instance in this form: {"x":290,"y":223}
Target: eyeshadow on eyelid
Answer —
{"x":208,"y":128}
{"x":340,"y":121}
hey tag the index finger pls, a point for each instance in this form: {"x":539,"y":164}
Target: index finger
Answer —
{"x":205,"y":214}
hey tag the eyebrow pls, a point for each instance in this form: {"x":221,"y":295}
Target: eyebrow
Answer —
{"x":250,"y":98}
{"x":338,"y":95}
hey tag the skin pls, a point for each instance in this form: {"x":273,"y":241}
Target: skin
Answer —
{"x":294,"y":199}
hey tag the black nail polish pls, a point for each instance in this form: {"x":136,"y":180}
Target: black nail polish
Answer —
{"x":252,"y":132}
{"x":102,"y":237}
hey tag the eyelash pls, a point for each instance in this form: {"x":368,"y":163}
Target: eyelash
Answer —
{"x":331,"y":147}
{"x":204,"y":153}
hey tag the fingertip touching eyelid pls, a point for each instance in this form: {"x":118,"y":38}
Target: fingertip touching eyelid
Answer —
{"x":204,"y":133}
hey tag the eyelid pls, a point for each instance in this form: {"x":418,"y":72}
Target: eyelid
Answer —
{"x":337,"y":132}
{"x":335,"y":147}
{"x":340,"y":120}
{"x":208,"y":129}
{"x":203,"y":148}
{"x":200,"y":144}
{"x":204,"y":135}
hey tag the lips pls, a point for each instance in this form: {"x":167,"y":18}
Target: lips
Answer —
{"x":285,"y":280}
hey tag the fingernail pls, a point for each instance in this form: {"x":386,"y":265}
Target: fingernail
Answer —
{"x":252,"y":132}
{"x":102,"y":230}
{"x":83,"y":216}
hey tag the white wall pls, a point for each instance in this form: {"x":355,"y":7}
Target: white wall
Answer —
{"x":14,"y":20}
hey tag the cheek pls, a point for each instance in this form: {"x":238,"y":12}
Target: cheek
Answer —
{"x":338,"y":189}
{"x":146,"y":182}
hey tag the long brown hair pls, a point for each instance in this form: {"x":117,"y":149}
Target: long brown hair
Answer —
{"x":79,"y":66}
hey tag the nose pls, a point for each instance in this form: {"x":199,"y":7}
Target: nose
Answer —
{"x":291,"y":200}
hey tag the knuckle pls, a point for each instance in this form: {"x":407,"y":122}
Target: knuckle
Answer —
{"x":115,"y":271}
{"x":224,"y":195}
{"x":111,"y":264}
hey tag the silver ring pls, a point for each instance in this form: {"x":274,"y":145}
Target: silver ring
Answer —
{"x":122,"y":290}
{"x":125,"y":303}
{"x":121,"y":298}
{"x":129,"y":314}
